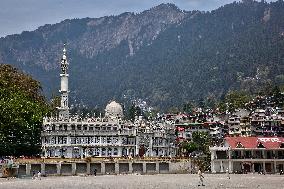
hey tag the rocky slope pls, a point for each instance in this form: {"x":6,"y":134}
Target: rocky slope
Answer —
{"x":163,"y":55}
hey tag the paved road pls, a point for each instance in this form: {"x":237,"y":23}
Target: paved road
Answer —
{"x":175,"y":181}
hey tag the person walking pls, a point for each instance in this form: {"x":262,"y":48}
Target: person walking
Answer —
{"x":39,"y":175}
{"x":34,"y":175}
{"x":228,"y":174}
{"x":201,"y":177}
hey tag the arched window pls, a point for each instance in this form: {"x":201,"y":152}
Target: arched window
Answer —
{"x":115,"y":152}
{"x":96,"y":151}
{"x":109,"y":152}
{"x":103,"y":151}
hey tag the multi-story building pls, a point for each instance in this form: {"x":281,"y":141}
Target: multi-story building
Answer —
{"x":245,"y":126}
{"x":248,"y":154}
{"x":217,"y":130}
{"x":75,"y":137}
{"x":184,"y":131}
{"x":234,"y":125}
{"x":266,"y":125}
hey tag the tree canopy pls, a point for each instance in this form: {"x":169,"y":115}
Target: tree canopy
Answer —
{"x":22,"y":108}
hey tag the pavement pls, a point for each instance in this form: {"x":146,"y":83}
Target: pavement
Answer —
{"x":165,"y":181}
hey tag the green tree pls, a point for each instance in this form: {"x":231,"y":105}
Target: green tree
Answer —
{"x":236,"y":99}
{"x":133,"y":112}
{"x":22,"y":108}
{"x":203,"y":141}
{"x":188,"y":107}
{"x":189,"y":147}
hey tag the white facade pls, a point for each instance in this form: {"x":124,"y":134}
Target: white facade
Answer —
{"x":103,"y":137}
{"x":250,"y":155}
{"x":74,"y":137}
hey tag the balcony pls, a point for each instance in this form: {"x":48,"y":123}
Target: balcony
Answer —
{"x":89,"y":133}
{"x":158,"y":135}
{"x":219,"y":148}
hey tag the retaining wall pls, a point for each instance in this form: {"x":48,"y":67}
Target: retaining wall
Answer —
{"x":104,"y":167}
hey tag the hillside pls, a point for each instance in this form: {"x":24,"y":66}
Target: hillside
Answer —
{"x":163,"y":55}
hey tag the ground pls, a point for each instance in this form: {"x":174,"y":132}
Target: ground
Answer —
{"x":166,"y":181}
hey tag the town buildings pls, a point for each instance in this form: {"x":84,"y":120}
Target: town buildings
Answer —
{"x":248,"y":154}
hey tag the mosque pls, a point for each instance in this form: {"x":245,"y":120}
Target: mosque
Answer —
{"x":71,"y":136}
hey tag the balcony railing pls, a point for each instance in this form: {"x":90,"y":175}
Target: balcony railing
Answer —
{"x":85,"y":133}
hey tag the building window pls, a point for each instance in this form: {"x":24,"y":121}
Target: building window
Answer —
{"x":124,"y":141}
{"x":108,"y":140}
{"x":104,"y":140}
{"x":73,"y":127}
{"x":109,"y":152}
{"x":90,"y":152}
{"x":96,"y":151}
{"x":115,"y":140}
{"x":73,"y":140}
{"x":115,"y":152}
{"x":60,"y":140}
{"x":97,"y":140}
{"x":64,"y":140}
{"x":103,"y":151}
{"x":90,"y":140}
{"x":53,"y":140}
{"x":78,"y":140}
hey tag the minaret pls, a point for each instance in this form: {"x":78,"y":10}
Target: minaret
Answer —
{"x":64,"y":109}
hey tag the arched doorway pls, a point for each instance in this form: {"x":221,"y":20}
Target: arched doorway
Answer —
{"x":142,"y":151}
{"x":246,"y":167}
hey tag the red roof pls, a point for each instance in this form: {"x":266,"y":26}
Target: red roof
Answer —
{"x":254,"y":142}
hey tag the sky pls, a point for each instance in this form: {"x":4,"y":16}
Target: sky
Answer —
{"x":27,"y":15}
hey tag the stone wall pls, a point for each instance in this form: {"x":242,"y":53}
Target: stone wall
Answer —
{"x":137,"y":167}
{"x":97,"y":167}
{"x":51,"y":169}
{"x":114,"y":167}
{"x":66,"y":169}
{"x":123,"y":167}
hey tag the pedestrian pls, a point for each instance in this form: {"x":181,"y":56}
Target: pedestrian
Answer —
{"x":39,"y":175}
{"x":95,"y":172}
{"x":33,"y":175}
{"x":201,"y":177}
{"x":228,"y":174}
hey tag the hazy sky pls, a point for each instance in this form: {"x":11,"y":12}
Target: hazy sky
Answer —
{"x":25,"y":15}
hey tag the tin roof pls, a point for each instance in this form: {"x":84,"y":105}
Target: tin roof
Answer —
{"x":255,"y":142}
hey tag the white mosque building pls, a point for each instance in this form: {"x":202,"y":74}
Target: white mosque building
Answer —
{"x":111,"y":136}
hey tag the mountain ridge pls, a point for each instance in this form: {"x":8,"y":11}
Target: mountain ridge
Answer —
{"x":163,"y":55}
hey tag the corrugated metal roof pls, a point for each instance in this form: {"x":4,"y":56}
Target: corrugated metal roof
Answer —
{"x":255,"y":142}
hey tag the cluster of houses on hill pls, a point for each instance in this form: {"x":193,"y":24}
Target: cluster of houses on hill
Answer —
{"x":243,"y":141}
{"x":242,"y":123}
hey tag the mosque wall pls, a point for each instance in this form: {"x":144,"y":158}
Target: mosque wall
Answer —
{"x":88,"y":168}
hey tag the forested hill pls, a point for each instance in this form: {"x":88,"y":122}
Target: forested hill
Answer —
{"x":163,"y":55}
